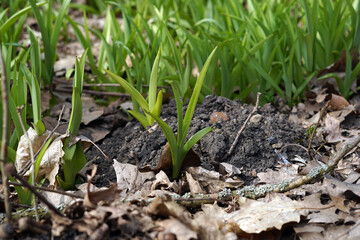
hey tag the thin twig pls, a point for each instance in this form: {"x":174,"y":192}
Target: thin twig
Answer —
{"x":300,"y":146}
{"x":322,"y":113}
{"x":10,"y":169}
{"x":109,"y":85}
{"x":287,"y":185}
{"x":97,"y":93}
{"x":27,"y":165}
{"x":318,"y":149}
{"x":294,"y":145}
{"x":5,"y":133}
{"x":49,"y":190}
{"x":31,"y":157}
{"x":244,"y":125}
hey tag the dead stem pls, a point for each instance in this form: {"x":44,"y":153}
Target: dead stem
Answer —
{"x":49,"y":190}
{"x":5,"y":133}
{"x":322,"y":112}
{"x":10,"y":169}
{"x":18,"y":109}
{"x":244,"y":125}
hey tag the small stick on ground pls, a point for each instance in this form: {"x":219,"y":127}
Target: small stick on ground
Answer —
{"x":4,"y":139}
{"x":322,"y":113}
{"x":244,"y":125}
{"x":49,"y":190}
{"x":287,"y":185}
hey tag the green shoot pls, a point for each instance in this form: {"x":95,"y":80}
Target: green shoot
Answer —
{"x":178,"y":145}
{"x":74,"y":158}
{"x":153,"y":105}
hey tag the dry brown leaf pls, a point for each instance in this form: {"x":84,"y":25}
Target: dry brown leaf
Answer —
{"x":64,"y":63}
{"x":91,"y":111}
{"x":93,"y":197}
{"x":324,"y":216}
{"x":338,"y":188}
{"x":352,"y":177}
{"x":129,"y":178}
{"x":309,"y":231}
{"x":338,"y":102}
{"x":286,"y":172}
{"x":228,"y":170}
{"x":332,"y":126}
{"x":45,"y":100}
{"x":162,"y":182}
{"x":210,"y":180}
{"x":176,"y":227}
{"x":49,"y":165}
{"x":211,"y":224}
{"x":256,"y":216}
{"x":58,"y":199}
{"x":194,"y":185}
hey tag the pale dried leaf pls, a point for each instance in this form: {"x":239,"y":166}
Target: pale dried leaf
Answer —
{"x":211,"y":180}
{"x":211,"y":223}
{"x":194,"y":185}
{"x":162,"y":181}
{"x":49,"y":165}
{"x":129,"y":178}
{"x":91,"y":110}
{"x":228,"y":169}
{"x":176,"y":227}
{"x":286,"y":172}
{"x":256,"y":217}
{"x":324,"y":216}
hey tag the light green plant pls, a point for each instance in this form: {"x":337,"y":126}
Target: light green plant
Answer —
{"x":74,"y":158}
{"x":50,"y":34}
{"x":9,"y":31}
{"x":179,"y":147}
{"x":154,"y":102}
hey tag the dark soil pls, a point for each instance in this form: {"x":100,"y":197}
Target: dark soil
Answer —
{"x":255,"y":151}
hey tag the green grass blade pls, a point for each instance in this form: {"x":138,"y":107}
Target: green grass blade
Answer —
{"x":196,"y":137}
{"x":196,"y":92}
{"x":179,"y":108}
{"x":168,"y":133}
{"x":58,"y":22}
{"x":141,"y":118}
{"x":157,"y":108}
{"x":4,"y":27}
{"x":131,"y":90}
{"x":153,"y":82}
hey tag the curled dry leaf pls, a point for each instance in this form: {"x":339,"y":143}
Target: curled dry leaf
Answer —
{"x":194,"y":185}
{"x":162,"y":182}
{"x":93,"y":197}
{"x":49,"y":165}
{"x":212,"y":181}
{"x":338,"y":102}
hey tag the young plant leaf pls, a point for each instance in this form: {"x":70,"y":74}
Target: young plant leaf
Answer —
{"x":196,"y":92}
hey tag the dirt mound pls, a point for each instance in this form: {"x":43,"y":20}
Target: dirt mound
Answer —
{"x":255,"y":152}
